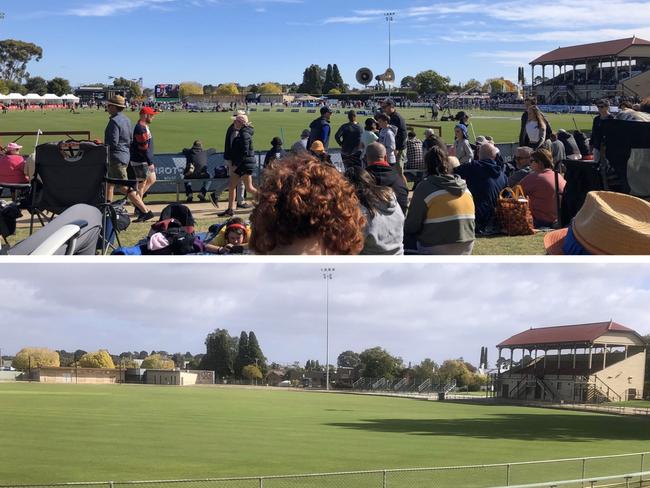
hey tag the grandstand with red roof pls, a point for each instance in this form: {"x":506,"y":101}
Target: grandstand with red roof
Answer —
{"x":582,"y":363}
{"x":580,"y":74}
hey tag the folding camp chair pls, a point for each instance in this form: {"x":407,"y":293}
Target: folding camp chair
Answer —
{"x":581,"y":177}
{"x":626,"y":156}
{"x":70,"y":173}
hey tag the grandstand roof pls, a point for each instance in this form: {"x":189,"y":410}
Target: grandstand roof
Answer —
{"x":564,"y":334}
{"x":593,"y":50}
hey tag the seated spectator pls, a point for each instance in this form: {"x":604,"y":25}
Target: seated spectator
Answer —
{"x":485,"y":180}
{"x":196,"y":167}
{"x":429,"y":140}
{"x":441,"y":213}
{"x":462,"y":147}
{"x":12,"y":165}
{"x":522,"y":160}
{"x":570,"y":146}
{"x":276,"y":152}
{"x":317,"y":150}
{"x":539,"y":187}
{"x":557,"y":149}
{"x":384,"y":230}
{"x":385,"y":174}
{"x":301,"y":145}
{"x":305,"y":207}
{"x":232,"y":239}
{"x":608,"y":223}
{"x":414,"y":155}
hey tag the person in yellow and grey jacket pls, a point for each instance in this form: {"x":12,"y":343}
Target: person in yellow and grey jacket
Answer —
{"x":441,"y":212}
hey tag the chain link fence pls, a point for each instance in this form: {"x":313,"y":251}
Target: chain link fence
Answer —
{"x":623,"y":470}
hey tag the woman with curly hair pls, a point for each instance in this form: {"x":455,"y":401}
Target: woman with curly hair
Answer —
{"x":306,"y":207}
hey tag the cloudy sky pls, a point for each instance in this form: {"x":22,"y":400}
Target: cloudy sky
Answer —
{"x":415,"y":311}
{"x":215,"y":41}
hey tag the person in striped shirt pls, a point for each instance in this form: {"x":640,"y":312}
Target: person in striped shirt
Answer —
{"x":441,"y":212}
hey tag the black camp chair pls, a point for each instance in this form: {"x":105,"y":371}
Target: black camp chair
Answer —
{"x":70,"y":173}
{"x":581,"y":177}
{"x":620,"y":137}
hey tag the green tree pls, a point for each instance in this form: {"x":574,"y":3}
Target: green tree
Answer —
{"x":4,"y":87}
{"x":339,"y":84}
{"x":179,"y":359}
{"x":270,"y":89}
{"x":227,"y":89}
{"x":36,"y":357}
{"x":455,"y":369}
{"x":59,"y":86}
{"x":243,"y":357}
{"x":348,"y":359}
{"x":36,"y":85}
{"x":14,"y":57}
{"x":98,"y":359}
{"x":408,"y":83}
{"x":252,"y":372}
{"x":430,"y":82}
{"x":471,"y":85}
{"x":255,"y":352}
{"x":148,"y":92}
{"x":157,"y":361}
{"x":312,"y":80}
{"x":188,"y":88}
{"x":209,"y":89}
{"x":132,"y":85}
{"x":15,"y":87}
{"x":378,"y":363}
{"x":328,"y":84}
{"x":426,"y":369}
{"x":220,"y":353}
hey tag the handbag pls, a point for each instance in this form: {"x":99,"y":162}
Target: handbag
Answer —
{"x":513,"y":212}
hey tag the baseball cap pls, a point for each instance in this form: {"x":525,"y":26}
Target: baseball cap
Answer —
{"x":325,"y":110}
{"x":148,"y":111}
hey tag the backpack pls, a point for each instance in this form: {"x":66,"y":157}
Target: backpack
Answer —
{"x":180,"y":213}
{"x":221,"y":172}
{"x":170,"y":237}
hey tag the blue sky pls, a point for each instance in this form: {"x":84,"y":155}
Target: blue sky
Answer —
{"x":415,"y":311}
{"x":216,"y":41}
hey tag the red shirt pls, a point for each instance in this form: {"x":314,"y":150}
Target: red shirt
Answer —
{"x":540,"y":189}
{"x":12,"y":169}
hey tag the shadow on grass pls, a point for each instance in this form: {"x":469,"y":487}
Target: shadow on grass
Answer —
{"x":519,"y":426}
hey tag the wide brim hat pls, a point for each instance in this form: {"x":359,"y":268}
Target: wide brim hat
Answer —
{"x":12,"y":146}
{"x":117,"y":100}
{"x":607,"y":224}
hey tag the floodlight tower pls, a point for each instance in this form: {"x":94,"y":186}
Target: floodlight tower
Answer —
{"x":328,"y":275}
{"x":389,"y":16}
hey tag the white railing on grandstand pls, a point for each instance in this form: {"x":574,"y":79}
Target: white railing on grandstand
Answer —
{"x":585,"y":472}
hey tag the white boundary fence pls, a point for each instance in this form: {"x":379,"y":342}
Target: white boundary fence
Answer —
{"x":622,"y":470}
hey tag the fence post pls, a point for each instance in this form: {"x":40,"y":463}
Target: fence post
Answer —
{"x":261,"y":482}
{"x":508,"y":475}
{"x":110,"y":484}
{"x":584,"y":470}
{"x":385,"y":482}
{"x":642,"y":463}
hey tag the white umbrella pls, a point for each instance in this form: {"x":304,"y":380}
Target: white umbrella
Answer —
{"x":70,"y":97}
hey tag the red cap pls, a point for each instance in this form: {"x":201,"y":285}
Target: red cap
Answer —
{"x":148,"y":111}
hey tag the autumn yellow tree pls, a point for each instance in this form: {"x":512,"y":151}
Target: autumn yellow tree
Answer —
{"x":190,"y":88}
{"x":36,"y":357}
{"x":227,"y":89}
{"x":98,"y":359}
{"x":270,"y":89}
{"x":156,"y":361}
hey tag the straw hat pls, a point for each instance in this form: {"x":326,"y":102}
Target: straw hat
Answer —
{"x":117,"y":100}
{"x":607,"y":223}
{"x":317,"y":147}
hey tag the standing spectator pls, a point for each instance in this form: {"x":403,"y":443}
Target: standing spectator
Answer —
{"x":349,"y":138}
{"x":397,"y":121}
{"x":523,"y":135}
{"x":243,"y":160}
{"x":276,"y":152}
{"x":522,"y":160}
{"x":485,"y":180}
{"x":196,"y":168}
{"x":535,"y":127}
{"x":441,"y":213}
{"x":385,"y":174}
{"x":142,"y":151}
{"x":384,"y":230}
{"x":462,"y":146}
{"x":301,"y":145}
{"x":320,"y":128}
{"x":387,"y":138}
{"x":539,"y":186}
{"x":231,"y":133}
{"x":118,"y":137}
{"x":369,"y":135}
{"x":596,"y":131}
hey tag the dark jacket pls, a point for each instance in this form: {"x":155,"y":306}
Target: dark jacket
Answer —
{"x":523,"y":137}
{"x":570,"y":144}
{"x":485,"y":180}
{"x":400,"y":138}
{"x":349,"y":137}
{"x":388,"y":176}
{"x":197,"y":157}
{"x":227,"y":155}
{"x":597,"y":132}
{"x":319,"y":131}
{"x":242,"y":150}
{"x":276,"y":152}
